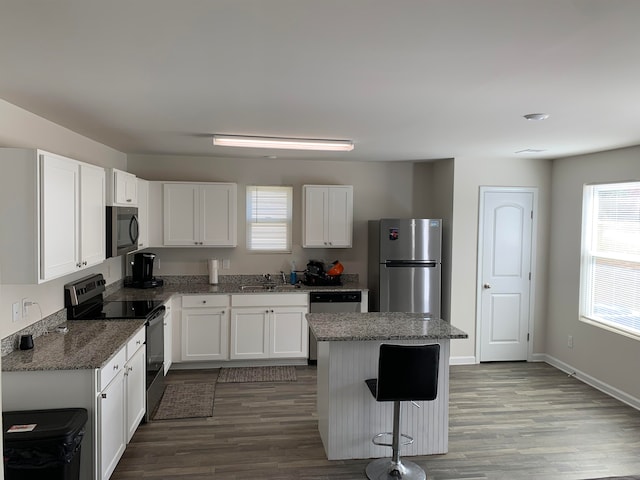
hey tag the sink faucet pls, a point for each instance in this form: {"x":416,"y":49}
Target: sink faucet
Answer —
{"x":267,"y":276}
{"x":284,"y":277}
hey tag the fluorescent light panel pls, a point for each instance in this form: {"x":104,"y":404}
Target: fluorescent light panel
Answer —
{"x":283,"y":143}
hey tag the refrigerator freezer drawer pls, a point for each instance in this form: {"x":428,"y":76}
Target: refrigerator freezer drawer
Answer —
{"x":410,"y":289}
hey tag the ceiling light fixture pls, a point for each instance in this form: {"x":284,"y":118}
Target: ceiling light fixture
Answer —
{"x":283,"y":143}
{"x":536,"y":116}
{"x":531,"y":150}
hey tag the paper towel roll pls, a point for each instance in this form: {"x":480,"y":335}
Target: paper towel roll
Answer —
{"x":213,"y":271}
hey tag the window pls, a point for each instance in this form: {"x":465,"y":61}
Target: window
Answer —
{"x":269,"y":218}
{"x":610,"y":273}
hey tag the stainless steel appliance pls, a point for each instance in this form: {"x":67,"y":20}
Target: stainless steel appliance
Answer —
{"x":84,"y":301}
{"x":331,"y":302}
{"x":405,"y":265}
{"x":122,"y":230}
{"x":142,"y":272}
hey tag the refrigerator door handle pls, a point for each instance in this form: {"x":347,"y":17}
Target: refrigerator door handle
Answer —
{"x":408,"y":263}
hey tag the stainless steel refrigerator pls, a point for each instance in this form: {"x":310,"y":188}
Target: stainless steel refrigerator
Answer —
{"x":405,"y":265}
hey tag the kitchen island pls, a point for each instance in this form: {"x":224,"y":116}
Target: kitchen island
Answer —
{"x":348,"y":416}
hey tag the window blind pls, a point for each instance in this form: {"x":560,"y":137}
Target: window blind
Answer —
{"x":269,"y":212}
{"x":611,"y":270}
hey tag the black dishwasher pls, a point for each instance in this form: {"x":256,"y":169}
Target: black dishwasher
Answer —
{"x":331,"y":302}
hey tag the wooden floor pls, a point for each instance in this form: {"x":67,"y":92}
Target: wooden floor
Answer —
{"x":507,"y":421}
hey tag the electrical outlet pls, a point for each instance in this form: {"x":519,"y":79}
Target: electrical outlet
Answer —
{"x":15,"y":311}
{"x":226,"y":264}
{"x":570,"y":341}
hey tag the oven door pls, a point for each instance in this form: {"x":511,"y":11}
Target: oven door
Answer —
{"x":155,"y":360}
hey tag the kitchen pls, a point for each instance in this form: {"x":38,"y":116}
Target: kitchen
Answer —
{"x":446,"y":188}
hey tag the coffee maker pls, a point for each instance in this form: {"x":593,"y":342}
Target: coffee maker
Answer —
{"x":142,"y":271}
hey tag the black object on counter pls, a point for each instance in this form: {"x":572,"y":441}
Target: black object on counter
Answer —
{"x":41,"y":444}
{"x":26,"y":342}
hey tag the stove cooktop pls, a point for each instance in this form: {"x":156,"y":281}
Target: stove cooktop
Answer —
{"x":113,"y":310}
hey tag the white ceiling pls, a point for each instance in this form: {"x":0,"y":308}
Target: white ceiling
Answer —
{"x":403,"y":79}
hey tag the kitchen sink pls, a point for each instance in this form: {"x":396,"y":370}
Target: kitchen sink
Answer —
{"x":268,"y":287}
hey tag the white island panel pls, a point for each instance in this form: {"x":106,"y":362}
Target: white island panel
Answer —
{"x":349,"y":416}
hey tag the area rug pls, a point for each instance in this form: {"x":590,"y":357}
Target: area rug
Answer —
{"x":632,"y":477}
{"x":257,"y":374}
{"x":186,"y":400}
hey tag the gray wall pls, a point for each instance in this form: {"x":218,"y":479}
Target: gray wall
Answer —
{"x":608,"y":357}
{"x":381,"y":189}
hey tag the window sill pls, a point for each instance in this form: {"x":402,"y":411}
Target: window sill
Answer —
{"x":609,"y":327}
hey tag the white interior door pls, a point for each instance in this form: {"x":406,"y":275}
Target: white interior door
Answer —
{"x":506,"y":233}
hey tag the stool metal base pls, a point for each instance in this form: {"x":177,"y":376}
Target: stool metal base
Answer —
{"x":387,"y":469}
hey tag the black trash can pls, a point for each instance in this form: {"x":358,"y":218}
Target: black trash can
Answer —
{"x":43,"y":444}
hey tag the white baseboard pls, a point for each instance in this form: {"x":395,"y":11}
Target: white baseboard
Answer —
{"x":462,"y":360}
{"x":594,"y":382}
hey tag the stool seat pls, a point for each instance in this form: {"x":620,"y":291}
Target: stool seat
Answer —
{"x":405,"y":373}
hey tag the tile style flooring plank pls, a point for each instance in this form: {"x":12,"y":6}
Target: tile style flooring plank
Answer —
{"x":507,"y":421}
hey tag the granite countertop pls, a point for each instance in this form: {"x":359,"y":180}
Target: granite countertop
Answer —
{"x":88,"y":344}
{"x":165,"y":292}
{"x":331,"y":327}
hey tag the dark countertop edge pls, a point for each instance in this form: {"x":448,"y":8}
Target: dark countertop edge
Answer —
{"x":392,"y":337}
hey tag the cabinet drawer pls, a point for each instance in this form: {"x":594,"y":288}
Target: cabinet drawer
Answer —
{"x":111,"y":369}
{"x":270,"y":300}
{"x":194,"y":301}
{"x":136,"y":342}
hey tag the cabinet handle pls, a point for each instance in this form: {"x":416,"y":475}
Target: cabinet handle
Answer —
{"x":266,"y":311}
{"x":271,"y":311}
{"x":104,"y":395}
{"x":204,"y":301}
{"x":115,"y":367}
{"x":84,"y":263}
{"x":222,"y":312}
{"x":138,"y":342}
{"x":128,"y":200}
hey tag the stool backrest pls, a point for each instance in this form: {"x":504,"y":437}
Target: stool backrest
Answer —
{"x":408,"y":372}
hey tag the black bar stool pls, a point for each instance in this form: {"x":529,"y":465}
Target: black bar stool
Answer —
{"x":405,"y":373}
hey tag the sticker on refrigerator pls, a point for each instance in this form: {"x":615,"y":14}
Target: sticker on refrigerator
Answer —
{"x":393,"y":234}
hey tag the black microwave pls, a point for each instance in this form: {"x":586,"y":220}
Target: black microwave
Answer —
{"x":122,"y":230}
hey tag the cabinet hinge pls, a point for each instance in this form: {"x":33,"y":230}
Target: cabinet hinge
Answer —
{"x":529,"y":276}
{"x":531,"y":214}
{"x":527,"y":337}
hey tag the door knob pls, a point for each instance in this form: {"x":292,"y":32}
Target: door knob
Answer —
{"x":486,"y":286}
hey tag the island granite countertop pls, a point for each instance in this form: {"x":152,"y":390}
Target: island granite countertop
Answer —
{"x":331,"y":327}
{"x":88,"y":344}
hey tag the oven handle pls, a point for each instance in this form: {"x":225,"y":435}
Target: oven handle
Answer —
{"x":156,"y":316}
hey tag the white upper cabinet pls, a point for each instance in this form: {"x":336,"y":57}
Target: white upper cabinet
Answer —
{"x":57,"y":216}
{"x":328,"y":216}
{"x":122,"y":189}
{"x":143,"y":213}
{"x":200,"y":214}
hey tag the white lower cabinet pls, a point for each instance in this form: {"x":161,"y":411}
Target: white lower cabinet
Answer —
{"x":205,"y":327}
{"x":111,"y":425}
{"x":168,"y":336}
{"x":269,"y":326}
{"x":121,"y":402}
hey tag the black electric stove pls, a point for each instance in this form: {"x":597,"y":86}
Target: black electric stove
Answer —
{"x":114,"y":310}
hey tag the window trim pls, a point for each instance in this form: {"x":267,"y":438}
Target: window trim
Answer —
{"x":250,"y":189}
{"x":587,"y":264}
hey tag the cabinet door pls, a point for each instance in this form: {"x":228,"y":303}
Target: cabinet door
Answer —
{"x":59,"y":222}
{"x":168,"y":337}
{"x":249,"y":333}
{"x":92,"y":215}
{"x":135,"y":391}
{"x":218,"y":215}
{"x":205,"y":334}
{"x":289,"y":334}
{"x":340,"y":216}
{"x":111,"y":425}
{"x":126,"y":188}
{"x":315,"y":216}
{"x":143,"y":213}
{"x":181,"y":215}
